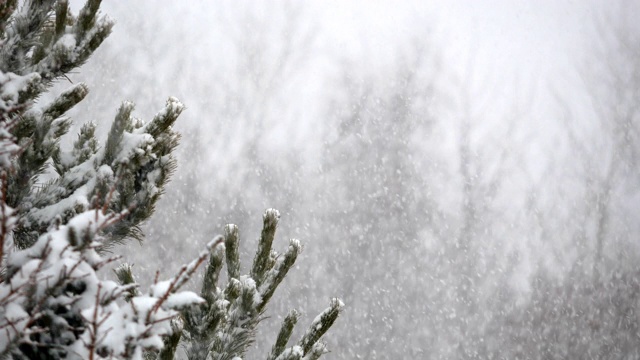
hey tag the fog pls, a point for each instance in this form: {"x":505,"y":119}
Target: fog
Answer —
{"x":464,"y":175}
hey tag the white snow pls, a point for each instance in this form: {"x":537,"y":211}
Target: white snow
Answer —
{"x":11,"y":85}
{"x":183,"y":299}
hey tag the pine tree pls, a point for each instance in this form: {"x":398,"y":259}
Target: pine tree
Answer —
{"x":55,"y":234}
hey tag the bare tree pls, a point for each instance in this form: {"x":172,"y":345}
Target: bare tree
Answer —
{"x":373,"y":204}
{"x":608,"y":155}
{"x":588,"y":309}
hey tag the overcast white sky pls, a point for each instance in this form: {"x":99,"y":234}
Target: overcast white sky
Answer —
{"x":540,"y":35}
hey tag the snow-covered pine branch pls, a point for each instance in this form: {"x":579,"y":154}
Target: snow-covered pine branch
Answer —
{"x":53,"y":304}
{"x":224,"y":326}
{"x":53,"y":235}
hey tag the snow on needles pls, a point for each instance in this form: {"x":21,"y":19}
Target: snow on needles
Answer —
{"x":61,"y":268}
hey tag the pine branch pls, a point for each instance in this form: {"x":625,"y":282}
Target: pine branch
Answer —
{"x":125,"y":277}
{"x":212,"y":272}
{"x":22,"y":34}
{"x":225,"y":326}
{"x":83,"y":148}
{"x":270,"y":223}
{"x":121,"y":122}
{"x":163,"y":120}
{"x":65,"y":101}
{"x":275,"y":276}
{"x":86,"y":18}
{"x":62,"y":13}
{"x":320,"y":325}
{"x":284,"y":335}
{"x":232,"y":251}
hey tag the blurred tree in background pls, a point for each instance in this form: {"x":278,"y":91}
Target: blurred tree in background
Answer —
{"x":588,"y":310}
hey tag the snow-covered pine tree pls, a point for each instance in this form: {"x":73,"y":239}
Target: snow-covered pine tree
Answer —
{"x":54,"y":233}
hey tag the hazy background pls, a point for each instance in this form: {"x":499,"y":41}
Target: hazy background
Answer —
{"x":464,"y":175}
